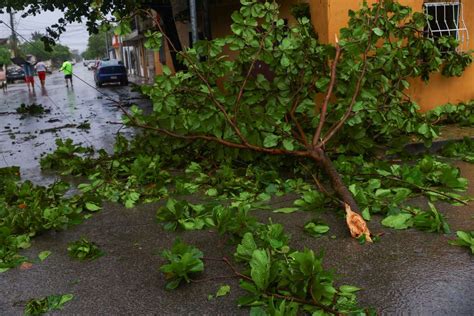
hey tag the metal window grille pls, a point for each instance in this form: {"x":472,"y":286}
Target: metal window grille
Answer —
{"x":447,"y":20}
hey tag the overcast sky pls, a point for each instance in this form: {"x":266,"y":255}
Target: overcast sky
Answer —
{"x":75,"y":37}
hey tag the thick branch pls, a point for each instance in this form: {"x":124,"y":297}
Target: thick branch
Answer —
{"x":324,"y":107}
{"x":323,"y":161}
{"x":335,"y":128}
{"x":271,"y":151}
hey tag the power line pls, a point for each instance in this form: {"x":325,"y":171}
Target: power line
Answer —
{"x":3,"y":156}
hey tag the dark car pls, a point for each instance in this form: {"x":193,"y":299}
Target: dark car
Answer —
{"x":110,"y":71}
{"x":15,"y":73}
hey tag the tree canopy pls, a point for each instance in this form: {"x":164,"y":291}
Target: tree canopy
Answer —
{"x":4,"y":55}
{"x":95,"y":46}
{"x":57,"y":55}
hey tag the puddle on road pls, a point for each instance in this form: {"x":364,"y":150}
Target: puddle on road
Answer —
{"x":24,"y":140}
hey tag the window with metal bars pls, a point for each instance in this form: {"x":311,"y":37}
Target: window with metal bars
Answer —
{"x":446,"y":19}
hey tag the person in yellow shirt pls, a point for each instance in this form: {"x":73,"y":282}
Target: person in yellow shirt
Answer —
{"x":67,"y":69}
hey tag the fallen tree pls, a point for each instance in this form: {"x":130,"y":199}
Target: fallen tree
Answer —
{"x":278,"y":111}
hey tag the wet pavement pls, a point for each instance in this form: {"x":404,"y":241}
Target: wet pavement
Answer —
{"x":407,"y":273}
{"x":24,"y":139}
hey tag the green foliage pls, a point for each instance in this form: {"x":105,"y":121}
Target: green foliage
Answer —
{"x":463,"y":150}
{"x":96,"y":46}
{"x":184,"y":215}
{"x":31,"y":109}
{"x":154,"y":40}
{"x":465,"y":239}
{"x":300,"y":10}
{"x":108,"y":175}
{"x":316,"y":228}
{"x":197,"y":101}
{"x":57,"y":54}
{"x":68,"y":158}
{"x":430,"y":220}
{"x":290,"y":281}
{"x":223,"y":290}
{"x":40,"y":306}
{"x":43,"y":255}
{"x":183,"y":262}
{"x":5,"y":55}
{"x":29,"y":209}
{"x":278,"y":280}
{"x":83,"y":249}
{"x":274,"y":277}
{"x":381,"y":187}
{"x":462,"y":114}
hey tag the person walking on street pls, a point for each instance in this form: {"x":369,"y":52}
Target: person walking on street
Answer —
{"x":41,"y":70}
{"x":67,"y":69}
{"x":29,"y":72}
{"x":3,"y":78}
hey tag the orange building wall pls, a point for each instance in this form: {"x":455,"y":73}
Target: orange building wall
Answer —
{"x":329,"y":16}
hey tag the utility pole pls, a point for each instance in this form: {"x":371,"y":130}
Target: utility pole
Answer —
{"x":193,"y":16}
{"x":206,"y":19}
{"x":14,"y":38}
{"x":106,"y":44}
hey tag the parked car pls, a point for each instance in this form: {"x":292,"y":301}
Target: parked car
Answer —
{"x":110,"y":71}
{"x":15,"y":73}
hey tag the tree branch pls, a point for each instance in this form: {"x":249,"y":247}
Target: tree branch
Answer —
{"x":271,"y":151}
{"x":209,"y":88}
{"x":333,"y":130}
{"x":324,"y":107}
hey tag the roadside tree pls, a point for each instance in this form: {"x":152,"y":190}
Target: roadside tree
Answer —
{"x":317,"y":102}
{"x":4,"y":55}
{"x":95,"y":46}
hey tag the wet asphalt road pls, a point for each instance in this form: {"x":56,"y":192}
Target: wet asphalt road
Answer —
{"x":23,"y":140}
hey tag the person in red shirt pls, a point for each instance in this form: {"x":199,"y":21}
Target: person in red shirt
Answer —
{"x":41,"y":70}
{"x":3,"y":77}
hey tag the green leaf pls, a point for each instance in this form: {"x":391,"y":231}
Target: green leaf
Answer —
{"x":348,"y":288}
{"x":288,"y":144}
{"x":316,"y":228}
{"x":246,"y":248}
{"x":286,"y":210}
{"x":398,"y":221}
{"x":44,"y":254}
{"x":260,"y":265}
{"x":223,"y":290}
{"x":378,"y":31}
{"x":211,"y":192}
{"x":271,"y":140}
{"x":366,"y":214}
{"x":92,"y":207}
{"x":46,"y":304}
{"x":465,"y":239}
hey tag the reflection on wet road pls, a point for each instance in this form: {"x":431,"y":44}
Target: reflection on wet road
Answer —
{"x":23,"y":140}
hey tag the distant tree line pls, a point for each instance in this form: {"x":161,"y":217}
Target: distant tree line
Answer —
{"x":35,"y":46}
